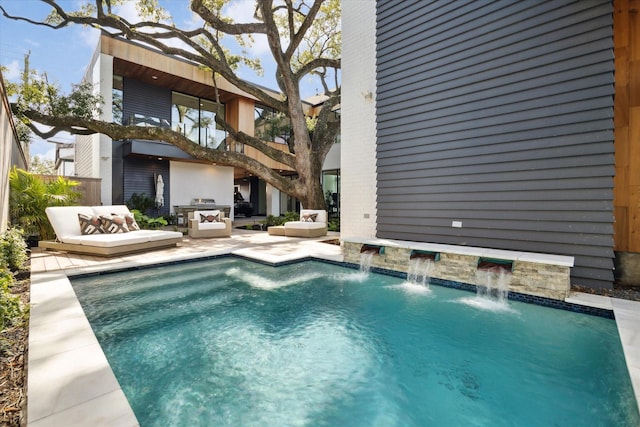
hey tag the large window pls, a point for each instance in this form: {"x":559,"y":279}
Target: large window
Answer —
{"x":195,"y":118}
{"x":116,"y":99}
{"x":271,"y":125}
{"x":331,"y":187}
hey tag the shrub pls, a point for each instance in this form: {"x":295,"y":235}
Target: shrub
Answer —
{"x":140,"y":202}
{"x":271,"y":220}
{"x":148,"y":222}
{"x":30,"y":195}
{"x":334,"y":224}
{"x":13,"y":249}
{"x":291,"y":216}
{"x":10,"y":310}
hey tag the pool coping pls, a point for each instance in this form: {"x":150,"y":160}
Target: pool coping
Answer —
{"x":70,"y":381}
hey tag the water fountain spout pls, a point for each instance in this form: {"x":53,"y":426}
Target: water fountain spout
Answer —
{"x":366,"y":256}
{"x":433,"y":256}
{"x":373,"y":249}
{"x":420,"y":266}
{"x":493,"y":277}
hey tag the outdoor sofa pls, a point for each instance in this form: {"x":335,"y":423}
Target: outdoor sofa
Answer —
{"x":103,"y":231}
{"x":312,"y":223}
{"x":209,"y":224}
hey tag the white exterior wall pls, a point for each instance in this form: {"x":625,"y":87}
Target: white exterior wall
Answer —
{"x":358,"y":133}
{"x":332,"y":161}
{"x":273,"y":201}
{"x":104,"y":76}
{"x":93,"y":152}
{"x":191,"y":180}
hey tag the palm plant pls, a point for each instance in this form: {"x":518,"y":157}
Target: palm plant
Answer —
{"x":30,"y":195}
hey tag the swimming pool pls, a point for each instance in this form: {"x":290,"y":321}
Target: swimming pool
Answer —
{"x":227,"y":342}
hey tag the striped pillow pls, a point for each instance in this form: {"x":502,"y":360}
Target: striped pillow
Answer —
{"x":114,"y":224}
{"x":90,"y":224}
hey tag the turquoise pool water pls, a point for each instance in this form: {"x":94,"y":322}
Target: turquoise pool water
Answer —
{"x":227,"y":342}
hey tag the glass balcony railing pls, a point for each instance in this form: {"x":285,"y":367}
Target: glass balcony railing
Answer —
{"x":143,"y":120}
{"x":207,"y":136}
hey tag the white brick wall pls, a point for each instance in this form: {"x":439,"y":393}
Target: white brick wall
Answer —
{"x":358,"y":133}
{"x":93,"y":152}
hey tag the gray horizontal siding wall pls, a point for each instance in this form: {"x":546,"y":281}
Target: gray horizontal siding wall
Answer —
{"x":136,"y":174}
{"x":139,"y":178}
{"x":498,"y":115}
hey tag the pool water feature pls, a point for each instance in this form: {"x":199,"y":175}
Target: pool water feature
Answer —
{"x":419,"y":271}
{"x":227,"y":342}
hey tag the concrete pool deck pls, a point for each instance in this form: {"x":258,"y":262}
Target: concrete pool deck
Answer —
{"x":70,"y":381}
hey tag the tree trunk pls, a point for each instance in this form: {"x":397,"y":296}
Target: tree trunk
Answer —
{"x":315,"y":198}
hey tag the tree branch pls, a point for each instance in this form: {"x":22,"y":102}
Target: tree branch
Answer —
{"x":82,"y":126}
{"x":317,"y":63}
{"x":283,"y":157}
{"x":209,"y":17}
{"x":302,"y":31}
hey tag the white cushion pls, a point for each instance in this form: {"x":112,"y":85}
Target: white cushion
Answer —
{"x":108,"y":240}
{"x":64,"y":220}
{"x":196,"y":214}
{"x":320,"y":222}
{"x":321,"y":214}
{"x":301,"y":225}
{"x":211,"y":225}
{"x":155,"y":235}
{"x":109,"y":210}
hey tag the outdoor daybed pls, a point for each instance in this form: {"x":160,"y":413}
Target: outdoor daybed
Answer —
{"x":313,"y":223}
{"x":103,"y":231}
{"x":209,"y":224}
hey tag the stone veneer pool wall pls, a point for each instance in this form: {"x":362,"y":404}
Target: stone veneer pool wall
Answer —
{"x":532,"y":274}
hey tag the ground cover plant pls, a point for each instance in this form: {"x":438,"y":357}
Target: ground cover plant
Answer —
{"x":14,"y":327}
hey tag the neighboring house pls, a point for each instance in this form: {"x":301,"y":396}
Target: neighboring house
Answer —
{"x":11,"y":153}
{"x":494,"y":127}
{"x":145,"y":87}
{"x":64,"y":161}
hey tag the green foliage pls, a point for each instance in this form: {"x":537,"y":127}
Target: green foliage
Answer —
{"x":35,"y":92}
{"x":30,"y":195}
{"x":291,"y":216}
{"x":42,"y":166}
{"x":140,"y":202}
{"x":271,"y":124}
{"x":333,"y":224}
{"x":171,"y":219}
{"x":24,"y":133}
{"x":13,"y":249}
{"x":81,"y":102}
{"x":271,"y":220}
{"x":10,"y":309}
{"x":147,"y":222}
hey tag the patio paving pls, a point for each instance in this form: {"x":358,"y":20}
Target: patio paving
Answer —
{"x":70,"y":382}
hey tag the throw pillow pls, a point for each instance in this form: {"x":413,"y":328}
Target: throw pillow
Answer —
{"x":114,"y":224}
{"x":209,"y":218}
{"x":132,"y":225}
{"x":309,"y":217}
{"x":90,"y":224}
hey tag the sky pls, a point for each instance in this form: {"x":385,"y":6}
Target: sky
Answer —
{"x":65,"y":53}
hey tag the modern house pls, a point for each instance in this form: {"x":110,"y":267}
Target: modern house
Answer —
{"x":507,"y":125}
{"x":145,"y":87}
{"x":11,"y":153}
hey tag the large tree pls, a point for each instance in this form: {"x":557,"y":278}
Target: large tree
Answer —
{"x":304,"y":40}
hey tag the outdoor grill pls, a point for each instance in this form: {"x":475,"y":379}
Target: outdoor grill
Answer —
{"x":198,"y":204}
{"x":204,"y":203}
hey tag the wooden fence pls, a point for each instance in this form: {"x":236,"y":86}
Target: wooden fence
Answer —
{"x":89,"y":189}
